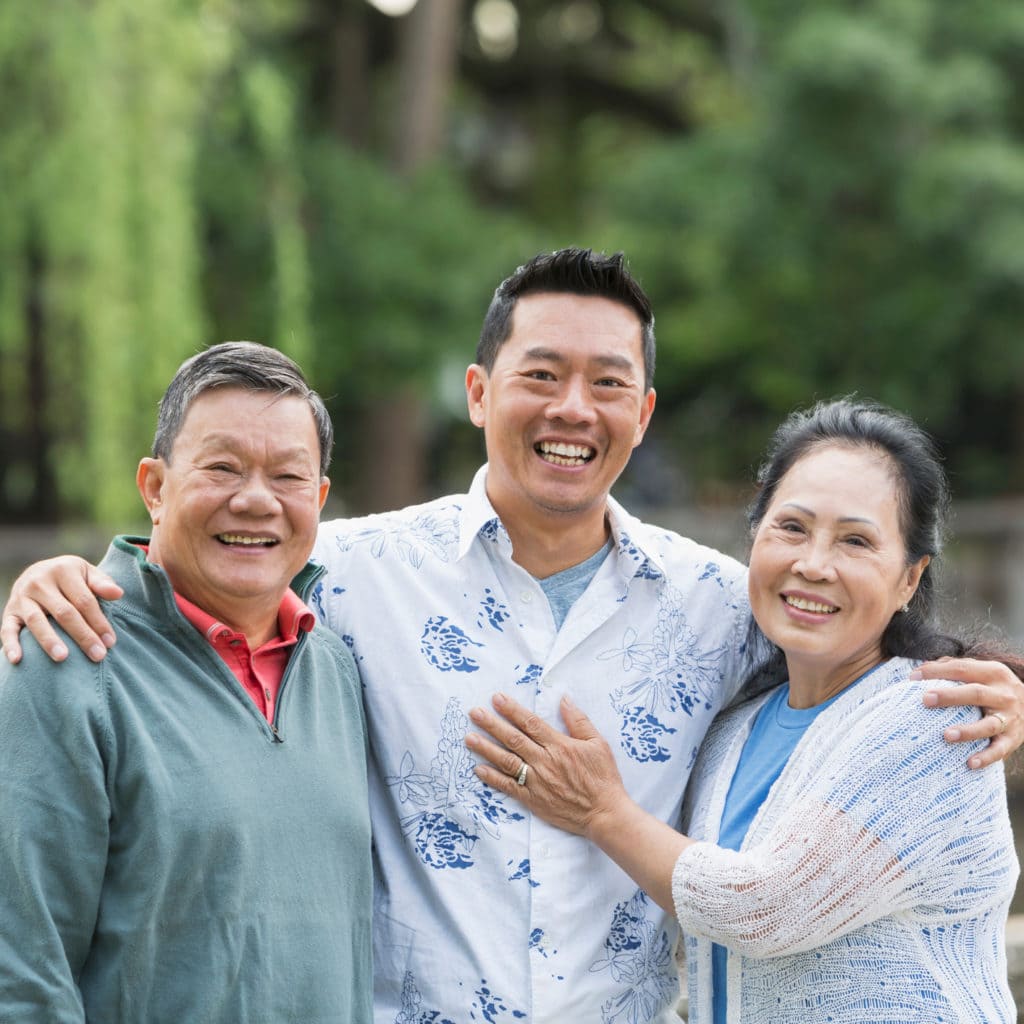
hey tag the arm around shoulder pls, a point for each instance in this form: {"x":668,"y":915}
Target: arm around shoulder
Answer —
{"x":857,"y":828}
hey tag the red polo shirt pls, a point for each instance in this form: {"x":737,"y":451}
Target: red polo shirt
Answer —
{"x":262,"y":670}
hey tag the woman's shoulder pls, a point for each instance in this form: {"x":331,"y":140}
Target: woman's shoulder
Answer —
{"x":890,"y":689}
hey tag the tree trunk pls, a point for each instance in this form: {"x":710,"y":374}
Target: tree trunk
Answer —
{"x":395,"y":429}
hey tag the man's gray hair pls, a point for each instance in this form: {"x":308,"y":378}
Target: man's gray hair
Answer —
{"x":237,"y":364}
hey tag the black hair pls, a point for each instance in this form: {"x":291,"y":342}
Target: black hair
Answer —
{"x":923,"y":495}
{"x":577,"y":272}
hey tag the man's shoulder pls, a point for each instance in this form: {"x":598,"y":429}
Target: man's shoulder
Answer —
{"x":325,"y":643}
{"x":406,"y":534}
{"x":45,"y":690}
{"x":396,"y":519}
{"x":678,"y":554}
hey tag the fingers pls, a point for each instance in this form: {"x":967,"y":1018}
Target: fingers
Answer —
{"x":963,"y":670}
{"x":39,"y":626}
{"x":102,"y":585}
{"x":10,"y":628}
{"x":959,"y":696}
{"x":507,"y":762}
{"x":65,"y":589}
{"x":998,"y":750}
{"x":515,"y":725}
{"x":579,"y":725}
{"x":990,"y":686}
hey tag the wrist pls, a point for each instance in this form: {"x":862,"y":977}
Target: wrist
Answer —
{"x":609,"y":819}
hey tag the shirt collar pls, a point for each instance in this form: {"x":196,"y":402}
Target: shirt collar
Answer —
{"x":292,"y":617}
{"x":478,"y":518}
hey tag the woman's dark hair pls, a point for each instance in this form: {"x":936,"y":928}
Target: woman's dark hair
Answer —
{"x":924,"y":501}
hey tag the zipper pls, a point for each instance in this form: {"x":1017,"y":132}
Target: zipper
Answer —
{"x":296,"y":651}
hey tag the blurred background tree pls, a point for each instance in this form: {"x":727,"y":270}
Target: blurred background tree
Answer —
{"x":820,"y":197}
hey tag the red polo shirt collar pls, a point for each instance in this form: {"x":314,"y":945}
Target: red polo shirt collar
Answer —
{"x":260,"y":672}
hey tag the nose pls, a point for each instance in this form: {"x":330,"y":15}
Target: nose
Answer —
{"x":573,"y":403}
{"x":815,"y":562}
{"x":254,"y":496}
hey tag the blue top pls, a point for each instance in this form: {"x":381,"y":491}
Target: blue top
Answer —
{"x":774,"y":735}
{"x":563,"y":588}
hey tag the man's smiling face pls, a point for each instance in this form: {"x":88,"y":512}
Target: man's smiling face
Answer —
{"x":235,"y":508}
{"x":563,"y":406}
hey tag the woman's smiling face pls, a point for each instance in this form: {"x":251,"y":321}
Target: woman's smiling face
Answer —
{"x":828,"y":565}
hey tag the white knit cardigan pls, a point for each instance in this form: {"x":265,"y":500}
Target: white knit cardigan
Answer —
{"x":873,"y":885}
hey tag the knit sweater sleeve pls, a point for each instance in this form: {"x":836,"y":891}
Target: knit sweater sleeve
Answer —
{"x":879,"y":817}
{"x":54,"y":813}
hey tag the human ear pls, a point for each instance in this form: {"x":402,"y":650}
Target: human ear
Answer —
{"x":149,"y":478}
{"x":913,"y":577}
{"x":646,"y":412}
{"x":476,"y":389}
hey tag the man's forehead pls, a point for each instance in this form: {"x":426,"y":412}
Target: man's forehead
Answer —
{"x":240,"y":439}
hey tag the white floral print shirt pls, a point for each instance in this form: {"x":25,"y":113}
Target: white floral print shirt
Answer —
{"x":483,"y":913}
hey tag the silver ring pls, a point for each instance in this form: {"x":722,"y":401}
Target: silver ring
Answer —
{"x":523,"y":772}
{"x":1002,"y":720}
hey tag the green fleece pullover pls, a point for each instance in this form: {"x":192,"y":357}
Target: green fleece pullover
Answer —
{"x":164,"y":856}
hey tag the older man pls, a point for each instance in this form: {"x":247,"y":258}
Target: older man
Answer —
{"x":185,"y":826}
{"x":538,"y":582}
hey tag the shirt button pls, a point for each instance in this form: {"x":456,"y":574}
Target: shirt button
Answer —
{"x":526,"y":597}
{"x":545,"y":850}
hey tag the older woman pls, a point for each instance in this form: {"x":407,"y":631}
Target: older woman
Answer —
{"x":840,"y":862}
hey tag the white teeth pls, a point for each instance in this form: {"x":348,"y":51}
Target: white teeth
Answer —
{"x":811,"y":606}
{"x":237,"y":538}
{"x":562,"y":454}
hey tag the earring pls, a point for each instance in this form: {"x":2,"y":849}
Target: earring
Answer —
{"x":905,"y":608}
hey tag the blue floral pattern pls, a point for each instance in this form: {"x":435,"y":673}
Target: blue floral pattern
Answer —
{"x":451,"y":805}
{"x":646,"y":569}
{"x":444,"y":645}
{"x":492,"y":1007}
{"x":537,"y":944}
{"x":430,"y":533}
{"x":493,"y":611}
{"x":675,"y":674}
{"x":522,"y":871}
{"x":638,"y":956}
{"x":411,"y":1012}
{"x":531,"y":676}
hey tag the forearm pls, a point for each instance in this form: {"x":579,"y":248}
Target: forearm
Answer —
{"x":644,"y":847}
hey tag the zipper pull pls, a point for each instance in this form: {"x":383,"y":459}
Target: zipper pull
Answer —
{"x":277,"y":736}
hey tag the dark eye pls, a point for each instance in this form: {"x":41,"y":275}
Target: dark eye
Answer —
{"x":856,"y":541}
{"x":791,"y":526}
{"x":540,"y":375}
{"x":610,"y":382}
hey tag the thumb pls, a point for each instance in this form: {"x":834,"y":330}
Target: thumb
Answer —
{"x":580,"y":727}
{"x":102,"y":585}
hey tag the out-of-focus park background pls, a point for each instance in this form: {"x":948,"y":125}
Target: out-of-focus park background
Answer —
{"x":820,"y":197}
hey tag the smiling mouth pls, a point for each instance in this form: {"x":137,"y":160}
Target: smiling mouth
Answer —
{"x":557,"y":453}
{"x":810,"y":606}
{"x":244,"y":541}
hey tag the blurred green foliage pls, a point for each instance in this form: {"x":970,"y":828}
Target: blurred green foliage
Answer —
{"x":821,"y":196}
